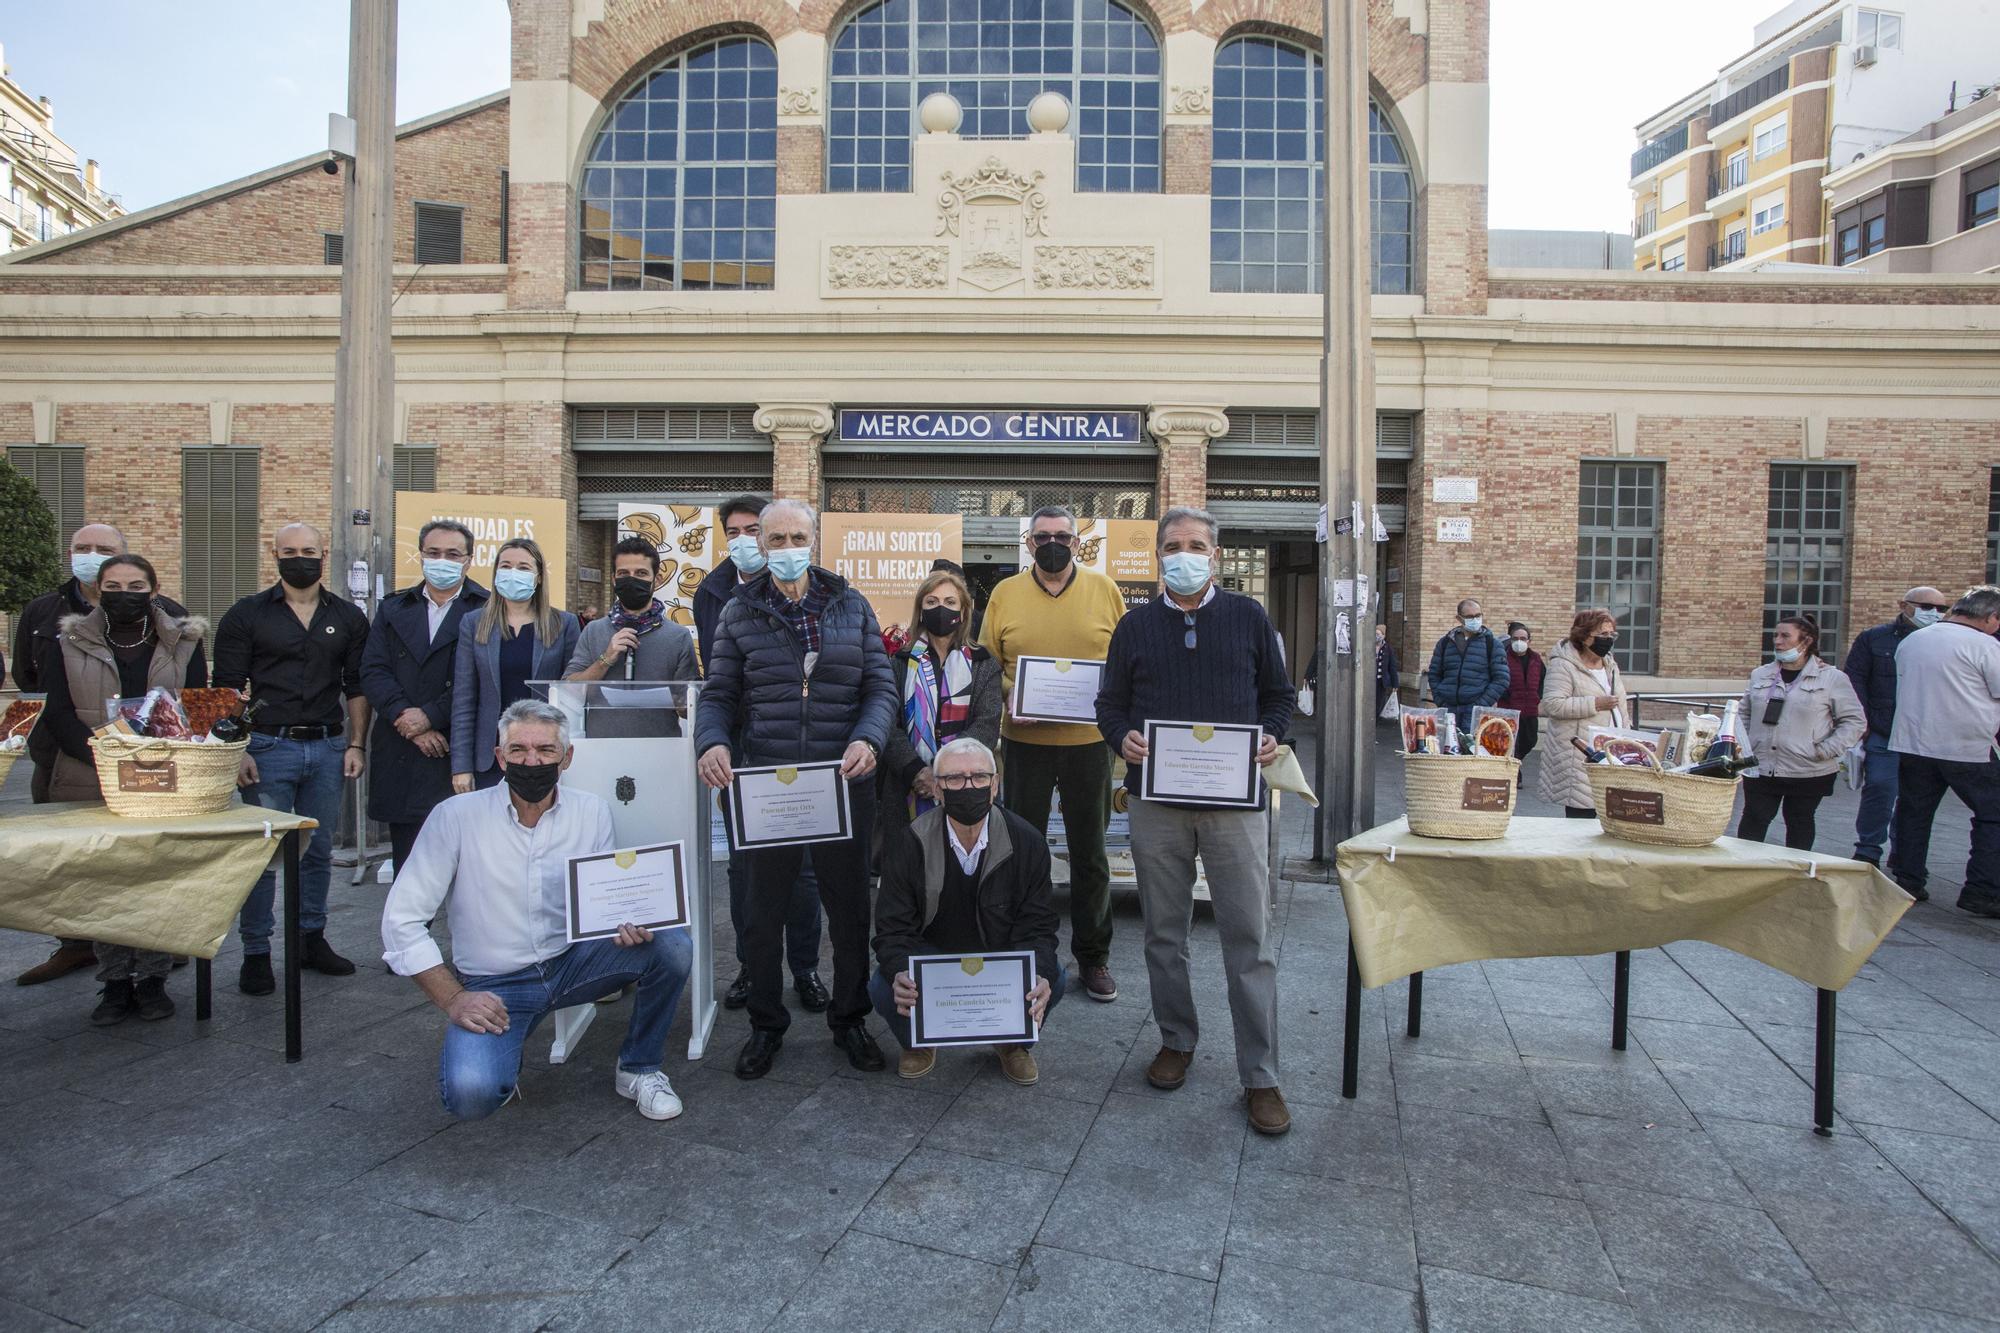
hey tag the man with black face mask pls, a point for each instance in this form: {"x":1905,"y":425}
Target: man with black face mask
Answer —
{"x":636,"y":641}
{"x":297,"y":648}
{"x":964,"y":878}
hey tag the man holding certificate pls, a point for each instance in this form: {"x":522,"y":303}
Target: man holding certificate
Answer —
{"x":961,"y":884}
{"x":1050,"y":626}
{"x":503,"y":864}
{"x":798,"y":685}
{"x":1196,"y":697}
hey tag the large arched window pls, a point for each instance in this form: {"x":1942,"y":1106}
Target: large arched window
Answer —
{"x":994,"y":56}
{"x":1268,"y":193}
{"x":679,"y":191}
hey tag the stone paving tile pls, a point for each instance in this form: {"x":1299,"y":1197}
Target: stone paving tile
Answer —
{"x":1908,"y":1258}
{"x":1254,"y":1297}
{"x":1450,"y":1146}
{"x":1660,"y":1158}
{"x":989,"y":1211}
{"x":1566,"y":1038}
{"x":1004,"y":1123}
{"x":1476,"y":1087}
{"x":1630,"y":1090}
{"x":1781,"y":1164}
{"x":155,"y":1314}
{"x":1968,"y":1066}
{"x":1156,"y":1219}
{"x":1961,"y":1176}
{"x":19,"y":1318}
{"x":1467,"y":1303}
{"x":1884,"y":1317}
{"x":698,"y":1279}
{"x":1711,"y":1247}
{"x":1079,"y":1293}
{"x":1512,"y":1234}
{"x":1326,"y":1226}
{"x":1688,"y":1310}
{"x":870,"y":1282}
{"x":1342,"y":1142}
{"x":876,"y":1118}
{"x":1169,"y":1132}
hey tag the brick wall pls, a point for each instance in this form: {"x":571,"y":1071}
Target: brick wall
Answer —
{"x":1190,"y":151}
{"x":467,"y":437}
{"x":132,"y":471}
{"x":795,"y":470}
{"x":281,"y":221}
{"x":1183,"y":474}
{"x":1454,"y":249}
{"x":633,"y":32}
{"x":801,"y":154}
{"x":1920,"y":495}
{"x":54,"y":280}
{"x":540,"y":257}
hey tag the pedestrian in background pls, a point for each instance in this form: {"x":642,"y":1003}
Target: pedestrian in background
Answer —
{"x":1468,"y":666}
{"x":1947,"y":737}
{"x":1583,"y":690}
{"x":1388,"y":671}
{"x":1527,"y":672}
{"x":1799,"y":716}
{"x":519,"y":636}
{"x":1871,"y":669}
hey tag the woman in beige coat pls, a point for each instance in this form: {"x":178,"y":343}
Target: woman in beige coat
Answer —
{"x":1800,"y":715}
{"x":1583,"y":690}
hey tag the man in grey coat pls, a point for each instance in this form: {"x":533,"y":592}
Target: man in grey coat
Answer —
{"x":636,"y":641}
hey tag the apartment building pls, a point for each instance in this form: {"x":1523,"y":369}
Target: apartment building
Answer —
{"x":1929,"y":203}
{"x":696,"y":249}
{"x":1730,"y":176}
{"x":45,"y":190}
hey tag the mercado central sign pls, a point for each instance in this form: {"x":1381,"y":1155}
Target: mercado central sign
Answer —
{"x":986,"y":425}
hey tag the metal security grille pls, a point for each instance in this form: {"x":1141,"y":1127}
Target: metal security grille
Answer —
{"x":1993,"y":529}
{"x":219,"y":531}
{"x":1805,"y":552}
{"x":1293,"y":478}
{"x":679,"y":455}
{"x":333,"y":248}
{"x":57,"y":471}
{"x":415,"y":467}
{"x":440,"y":234}
{"x":1618,"y":554}
{"x":666,"y":425}
{"x":988,"y":486}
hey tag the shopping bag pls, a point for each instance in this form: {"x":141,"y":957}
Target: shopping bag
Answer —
{"x":1306,"y":701}
{"x":1392,"y":708}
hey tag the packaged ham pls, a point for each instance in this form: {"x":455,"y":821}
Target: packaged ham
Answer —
{"x":1494,"y":731}
{"x":156,"y":714}
{"x":17,"y":722}
{"x":1429,"y":731}
{"x":1635,"y":749}
{"x":204,"y":708}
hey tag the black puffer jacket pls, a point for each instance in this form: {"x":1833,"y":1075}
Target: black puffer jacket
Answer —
{"x":758,"y":701}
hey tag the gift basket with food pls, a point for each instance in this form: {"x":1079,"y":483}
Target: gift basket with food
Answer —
{"x":164,"y":754}
{"x":15,"y":725}
{"x":1460,"y":786}
{"x":1640,"y":799}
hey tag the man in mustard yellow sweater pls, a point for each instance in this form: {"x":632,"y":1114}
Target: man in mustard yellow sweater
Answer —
{"x":1056,"y":609}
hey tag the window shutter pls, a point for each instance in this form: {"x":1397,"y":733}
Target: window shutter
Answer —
{"x":334,"y":245}
{"x":220,"y":543}
{"x":416,"y":467}
{"x":57,"y":472}
{"x":440,"y":234}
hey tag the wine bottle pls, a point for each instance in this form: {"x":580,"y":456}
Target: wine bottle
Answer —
{"x":1590,"y":756}
{"x":229,"y":730}
{"x":1714,"y":766}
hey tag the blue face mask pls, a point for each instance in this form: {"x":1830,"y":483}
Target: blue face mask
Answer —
{"x":1473,"y":624}
{"x":1186,"y":571}
{"x":790,"y":564}
{"x":745,"y":552}
{"x":1924,"y":617}
{"x":516,"y":585}
{"x":85,"y":564}
{"x":444,"y":575}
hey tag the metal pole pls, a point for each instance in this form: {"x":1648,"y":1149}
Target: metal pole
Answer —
{"x":1347,"y":437}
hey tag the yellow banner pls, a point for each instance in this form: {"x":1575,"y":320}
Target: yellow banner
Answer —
{"x":887,"y":557}
{"x":690,"y":541}
{"x":494,"y":519}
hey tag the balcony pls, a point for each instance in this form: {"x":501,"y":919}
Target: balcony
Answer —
{"x":1726,"y":253}
{"x":1646,"y":223}
{"x":1755,"y":94}
{"x":1733,"y":176}
{"x":1671,"y":144}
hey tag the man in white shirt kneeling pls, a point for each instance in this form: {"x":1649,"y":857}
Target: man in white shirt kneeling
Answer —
{"x":498,"y":860}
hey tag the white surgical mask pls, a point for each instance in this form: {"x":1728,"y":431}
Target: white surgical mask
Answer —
{"x":1520,"y":646}
{"x":85,"y":564}
{"x":444,"y":575}
{"x":1473,"y":624}
{"x":1925,"y":617}
{"x":789,"y":564}
{"x":516,"y":585}
{"x":1186,"y":572}
{"x":1787,"y":656}
{"x":749,"y":557}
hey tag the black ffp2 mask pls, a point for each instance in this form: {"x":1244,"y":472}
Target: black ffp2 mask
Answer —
{"x":967,"y":805}
{"x":941,"y":622}
{"x":126,"y":608}
{"x":1603,"y":644}
{"x":1053,"y":557}
{"x":300,"y":571}
{"x":532,"y":782}
{"x":633,"y":594}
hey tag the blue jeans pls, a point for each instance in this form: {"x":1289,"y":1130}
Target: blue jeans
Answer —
{"x":1878,"y":799}
{"x":477,"y":1071}
{"x":1923,"y":783}
{"x":302,"y":777}
{"x":801,"y":919}
{"x":882,"y":990}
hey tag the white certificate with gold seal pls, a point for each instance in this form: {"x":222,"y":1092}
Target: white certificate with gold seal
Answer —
{"x":637,"y":886}
{"x":972,"y":999}
{"x":1203,"y":763}
{"x":1056,"y":689}
{"x":785,"y":805}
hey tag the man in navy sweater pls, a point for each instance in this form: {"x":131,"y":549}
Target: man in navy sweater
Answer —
{"x":1200,"y":654}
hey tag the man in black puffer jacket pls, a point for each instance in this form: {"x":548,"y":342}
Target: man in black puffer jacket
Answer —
{"x":799,"y":676}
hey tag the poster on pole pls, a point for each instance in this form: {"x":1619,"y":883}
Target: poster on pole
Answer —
{"x":690,"y":542}
{"x":493,"y":519}
{"x":1121,"y":549}
{"x":887,"y":557}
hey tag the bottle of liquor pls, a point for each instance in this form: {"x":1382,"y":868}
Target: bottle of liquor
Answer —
{"x":1590,"y":756}
{"x":229,"y":730}
{"x":1724,"y":758}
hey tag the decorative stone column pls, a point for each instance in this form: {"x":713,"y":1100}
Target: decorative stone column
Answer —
{"x":1183,"y":432}
{"x":796,"y":430}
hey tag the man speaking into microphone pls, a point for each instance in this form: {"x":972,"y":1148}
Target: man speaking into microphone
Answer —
{"x":636,"y":641}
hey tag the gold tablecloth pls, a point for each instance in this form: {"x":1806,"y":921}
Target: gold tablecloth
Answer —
{"x":1563,"y":887}
{"x":81,"y":872}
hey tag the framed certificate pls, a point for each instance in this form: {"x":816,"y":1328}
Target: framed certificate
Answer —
{"x":972,"y":999}
{"x":1055,"y":689}
{"x":1203,"y":763}
{"x":785,"y":805}
{"x":640,"y":886}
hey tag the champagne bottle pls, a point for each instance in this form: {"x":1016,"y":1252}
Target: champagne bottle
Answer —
{"x":1590,"y":756}
{"x":1724,"y":758}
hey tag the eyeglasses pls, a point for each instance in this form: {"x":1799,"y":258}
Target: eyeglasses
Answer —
{"x":960,"y":781}
{"x":1059,"y":538}
{"x":1930,"y":606}
{"x":1187,"y":618}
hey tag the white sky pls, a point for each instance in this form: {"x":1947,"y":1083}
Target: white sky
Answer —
{"x":174,"y":98}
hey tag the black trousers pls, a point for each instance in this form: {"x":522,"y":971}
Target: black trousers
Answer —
{"x":1921,"y":784}
{"x":402,"y":838}
{"x":1524,"y":740}
{"x":844,"y":892}
{"x":1798,"y":797}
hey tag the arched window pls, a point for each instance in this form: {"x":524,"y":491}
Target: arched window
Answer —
{"x":1268,"y":194}
{"x":680,"y":189}
{"x":994,"y":56}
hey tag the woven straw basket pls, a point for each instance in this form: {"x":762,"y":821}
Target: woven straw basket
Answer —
{"x":144,"y":778}
{"x":1644,"y":804}
{"x":7,"y":758}
{"x":1460,"y":796}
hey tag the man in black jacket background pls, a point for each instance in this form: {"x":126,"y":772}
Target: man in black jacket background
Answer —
{"x":1871,"y":669}
{"x":799,"y":675}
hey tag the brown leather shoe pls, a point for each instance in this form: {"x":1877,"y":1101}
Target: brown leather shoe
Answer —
{"x":1018,"y":1064}
{"x":1267,"y":1110}
{"x":1098,"y":982}
{"x":66,"y":959}
{"x":1169,"y":1068}
{"x":915,"y":1064}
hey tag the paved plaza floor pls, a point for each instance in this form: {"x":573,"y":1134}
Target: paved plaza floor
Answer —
{"x":1507,"y":1171}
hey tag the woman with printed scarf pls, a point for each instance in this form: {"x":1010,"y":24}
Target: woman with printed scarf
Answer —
{"x":949,"y":687}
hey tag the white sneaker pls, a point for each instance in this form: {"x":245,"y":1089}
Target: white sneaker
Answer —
{"x":653,"y":1092}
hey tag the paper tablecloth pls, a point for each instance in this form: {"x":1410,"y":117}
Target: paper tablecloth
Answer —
{"x":1563,"y":887}
{"x":81,"y":872}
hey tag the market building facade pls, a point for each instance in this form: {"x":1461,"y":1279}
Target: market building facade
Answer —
{"x":699,"y":248}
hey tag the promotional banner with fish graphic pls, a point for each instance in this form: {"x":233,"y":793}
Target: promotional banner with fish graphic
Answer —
{"x":493,"y":520}
{"x":690,"y":543}
{"x":1119,"y":548}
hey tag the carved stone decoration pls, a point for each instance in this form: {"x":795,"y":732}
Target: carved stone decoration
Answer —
{"x":798,"y":101}
{"x":1116,"y":268}
{"x":794,"y":421}
{"x":888,"y":267}
{"x":1193,"y":100}
{"x":1186,"y":423}
{"x":993,"y":180}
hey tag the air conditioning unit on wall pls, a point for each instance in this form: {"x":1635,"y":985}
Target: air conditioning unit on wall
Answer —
{"x":1864,"y":56}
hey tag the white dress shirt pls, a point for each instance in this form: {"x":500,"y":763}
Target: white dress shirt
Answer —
{"x":968,"y":861}
{"x":502,"y":884}
{"x":438,"y":613}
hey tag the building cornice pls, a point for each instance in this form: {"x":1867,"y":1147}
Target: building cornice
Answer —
{"x":1918,"y":148}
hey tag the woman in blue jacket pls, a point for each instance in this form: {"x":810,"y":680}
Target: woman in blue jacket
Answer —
{"x":517,"y":637}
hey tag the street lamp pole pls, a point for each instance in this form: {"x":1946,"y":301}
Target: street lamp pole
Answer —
{"x":1347,"y":439}
{"x":364,"y":383}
